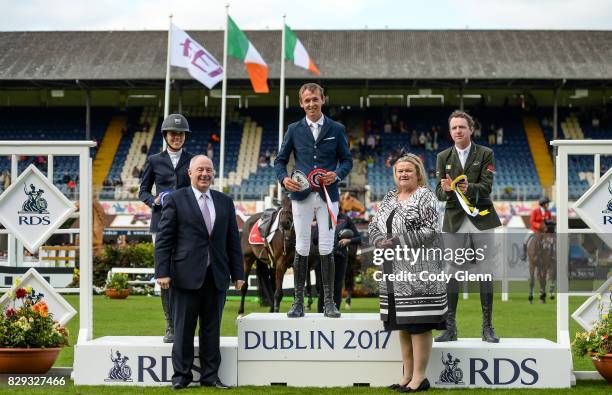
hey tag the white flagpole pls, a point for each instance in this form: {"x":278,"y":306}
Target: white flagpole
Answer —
{"x":223,"y":102}
{"x":281,"y":101}
{"x":167,"y":93}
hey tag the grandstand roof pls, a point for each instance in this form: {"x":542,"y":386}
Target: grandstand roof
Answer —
{"x":340,"y":54}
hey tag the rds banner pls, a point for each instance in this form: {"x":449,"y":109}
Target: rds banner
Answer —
{"x":32,"y":208}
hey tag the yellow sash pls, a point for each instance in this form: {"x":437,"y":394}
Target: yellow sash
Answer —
{"x":467,"y":207}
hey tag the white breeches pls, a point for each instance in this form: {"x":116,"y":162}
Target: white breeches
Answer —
{"x":304,"y":212}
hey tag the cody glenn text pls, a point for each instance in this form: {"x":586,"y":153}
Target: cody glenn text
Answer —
{"x":407,"y":276}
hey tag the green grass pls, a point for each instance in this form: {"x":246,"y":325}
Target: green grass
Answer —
{"x":582,"y":388}
{"x":142,"y":316}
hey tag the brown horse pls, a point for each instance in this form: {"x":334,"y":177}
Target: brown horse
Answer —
{"x":542,"y":255}
{"x":278,"y":258}
{"x":350,"y":203}
{"x":98,"y":224}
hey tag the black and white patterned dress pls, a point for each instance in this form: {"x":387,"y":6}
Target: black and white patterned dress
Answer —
{"x":416,"y":306}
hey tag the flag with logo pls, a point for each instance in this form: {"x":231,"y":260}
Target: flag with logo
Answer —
{"x":239,"y":46}
{"x":296,"y":52}
{"x":189,"y":54}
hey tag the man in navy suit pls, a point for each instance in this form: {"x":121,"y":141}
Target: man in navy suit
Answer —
{"x":197,"y":253}
{"x":317,"y":142}
{"x":167,"y":171}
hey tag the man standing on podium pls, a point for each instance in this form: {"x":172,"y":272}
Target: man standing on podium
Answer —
{"x":320,"y":148}
{"x":465,"y":177}
{"x":197,"y":254}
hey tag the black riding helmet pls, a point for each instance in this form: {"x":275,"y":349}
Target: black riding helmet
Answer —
{"x":175,"y":123}
{"x":345,"y":234}
{"x":544,"y":201}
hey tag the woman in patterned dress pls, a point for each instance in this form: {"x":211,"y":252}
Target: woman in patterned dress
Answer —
{"x":408,"y":216}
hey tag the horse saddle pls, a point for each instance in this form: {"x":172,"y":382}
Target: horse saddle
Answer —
{"x":264,"y":228}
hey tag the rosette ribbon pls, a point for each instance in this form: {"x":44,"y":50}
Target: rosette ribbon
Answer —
{"x":463,"y":200}
{"x":315,"y":179}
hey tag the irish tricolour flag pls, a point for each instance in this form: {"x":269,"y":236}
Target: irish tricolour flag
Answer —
{"x":239,"y":46}
{"x":294,"y":50}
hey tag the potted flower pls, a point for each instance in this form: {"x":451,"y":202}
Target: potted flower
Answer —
{"x":117,"y":286}
{"x":30,"y":340}
{"x":597,"y":343}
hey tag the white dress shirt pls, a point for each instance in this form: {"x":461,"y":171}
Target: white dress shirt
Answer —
{"x":209,"y":203}
{"x":315,"y":127}
{"x":463,"y":154}
{"x":175,"y":156}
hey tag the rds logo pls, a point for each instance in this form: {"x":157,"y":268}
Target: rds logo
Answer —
{"x":607,"y":219}
{"x":36,"y":206}
{"x":503,"y":371}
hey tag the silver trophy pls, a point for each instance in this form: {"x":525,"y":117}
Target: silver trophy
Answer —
{"x":301,"y":179}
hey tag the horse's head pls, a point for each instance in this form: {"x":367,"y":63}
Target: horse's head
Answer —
{"x":285,"y":214}
{"x":351,"y":203}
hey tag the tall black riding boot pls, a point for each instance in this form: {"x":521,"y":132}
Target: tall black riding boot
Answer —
{"x":486,"y":302}
{"x":450,"y":334}
{"x":166,"y":298}
{"x":300,"y":269}
{"x":327,"y":275}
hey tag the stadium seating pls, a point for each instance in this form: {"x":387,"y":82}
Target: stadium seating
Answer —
{"x":581,"y":167}
{"x":581,"y":174}
{"x":516,"y":177}
{"x":143,"y":133}
{"x":252,"y":134}
{"x":260,"y":176}
{"x":248,"y":155}
{"x":63,"y":123}
{"x":115,"y":174}
{"x":204,"y":122}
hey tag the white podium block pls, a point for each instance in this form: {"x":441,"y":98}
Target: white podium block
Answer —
{"x":316,"y":351}
{"x":142,"y":361}
{"x":511,"y":363}
{"x":354,"y":350}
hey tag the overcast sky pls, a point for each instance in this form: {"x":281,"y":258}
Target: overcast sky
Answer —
{"x":20,"y":15}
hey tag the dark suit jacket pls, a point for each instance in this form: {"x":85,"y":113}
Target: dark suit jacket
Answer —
{"x":158,"y":171}
{"x":183,"y":244}
{"x":479,"y":169}
{"x":329,"y":152}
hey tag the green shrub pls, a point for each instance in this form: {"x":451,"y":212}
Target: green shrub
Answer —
{"x":118,"y":282}
{"x":132,"y":255}
{"x":365,"y":283}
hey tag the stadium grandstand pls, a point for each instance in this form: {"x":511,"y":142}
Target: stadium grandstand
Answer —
{"x":393,"y":89}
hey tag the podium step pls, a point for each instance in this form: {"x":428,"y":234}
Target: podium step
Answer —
{"x":315,"y":351}
{"x":355,"y":350}
{"x":141,"y":361}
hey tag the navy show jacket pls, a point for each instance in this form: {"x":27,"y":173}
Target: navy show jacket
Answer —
{"x":330,"y":152}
